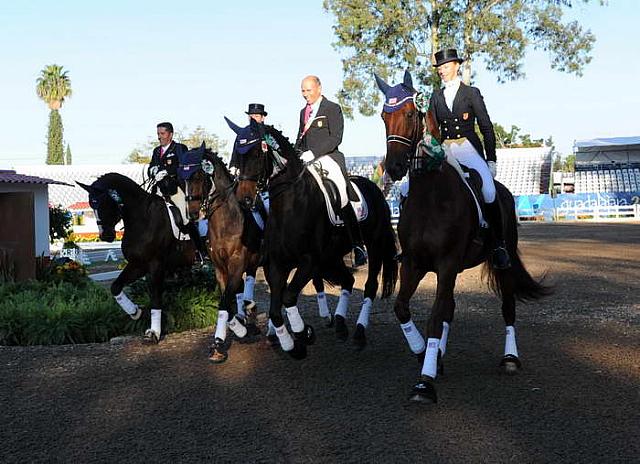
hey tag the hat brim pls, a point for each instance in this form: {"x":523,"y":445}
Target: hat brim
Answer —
{"x":263,"y":113}
{"x":447,"y":60}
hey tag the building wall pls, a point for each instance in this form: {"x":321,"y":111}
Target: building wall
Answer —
{"x":41,"y":212}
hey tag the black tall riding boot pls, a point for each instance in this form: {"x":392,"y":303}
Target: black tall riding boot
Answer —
{"x":500,"y":255}
{"x":348,"y":215}
{"x":198,"y":241}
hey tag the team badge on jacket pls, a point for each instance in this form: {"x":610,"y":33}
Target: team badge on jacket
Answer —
{"x":319,"y":123}
{"x":465,"y":116}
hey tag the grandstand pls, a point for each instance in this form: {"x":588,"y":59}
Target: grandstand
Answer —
{"x":525,"y":171}
{"x":67,"y":196}
{"x":607,"y":165}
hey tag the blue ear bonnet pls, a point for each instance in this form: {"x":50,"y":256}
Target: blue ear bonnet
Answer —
{"x":246,"y":140}
{"x":395,"y":97}
{"x":190,"y":162}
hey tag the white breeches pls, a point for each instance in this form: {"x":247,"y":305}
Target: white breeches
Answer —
{"x":180,"y":201}
{"x":467,"y":155}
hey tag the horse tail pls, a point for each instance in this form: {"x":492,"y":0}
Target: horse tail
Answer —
{"x":389,"y":261}
{"x":515,"y":281}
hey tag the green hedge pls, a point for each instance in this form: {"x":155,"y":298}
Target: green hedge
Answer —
{"x":56,"y":311}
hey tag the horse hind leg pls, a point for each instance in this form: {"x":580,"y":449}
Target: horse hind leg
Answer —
{"x":340,"y":273}
{"x":510,"y":362}
{"x":370,"y":291}
{"x":323,"y":305}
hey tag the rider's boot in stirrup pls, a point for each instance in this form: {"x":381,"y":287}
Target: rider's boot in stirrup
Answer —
{"x":353,"y":230}
{"x":499,"y":256}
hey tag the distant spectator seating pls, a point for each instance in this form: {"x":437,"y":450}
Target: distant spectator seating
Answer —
{"x":625,"y":179}
{"x":524,"y":171}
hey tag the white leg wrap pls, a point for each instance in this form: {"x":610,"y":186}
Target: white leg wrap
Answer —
{"x":297,"y":325}
{"x":221,"y":325}
{"x":413,"y":336}
{"x":286,"y":341}
{"x":430,"y":366}
{"x":323,"y":306}
{"x":240,"y":305}
{"x":126,"y":304}
{"x":249,"y":285}
{"x":236,"y":326}
{"x":445,"y":336}
{"x":510,"y":346}
{"x":363,"y":318}
{"x":343,"y":303}
{"x":271,"y":329}
{"x":156,"y":317}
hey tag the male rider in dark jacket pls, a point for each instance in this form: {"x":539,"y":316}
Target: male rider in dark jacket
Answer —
{"x":319,"y":134}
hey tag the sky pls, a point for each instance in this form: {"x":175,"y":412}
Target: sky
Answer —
{"x":134,"y":64}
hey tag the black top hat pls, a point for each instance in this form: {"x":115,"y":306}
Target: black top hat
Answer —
{"x":256,"y":108}
{"x":446,"y":55}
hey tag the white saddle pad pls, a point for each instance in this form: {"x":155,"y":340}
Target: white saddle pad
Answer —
{"x":174,"y":227}
{"x":333,"y":172}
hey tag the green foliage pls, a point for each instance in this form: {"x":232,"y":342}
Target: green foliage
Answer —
{"x":53,"y":86}
{"x":59,"y":222}
{"x":142,"y":153}
{"x":55,"y":151}
{"x":68,"y":155}
{"x":56,"y":311}
{"x":387,"y":37}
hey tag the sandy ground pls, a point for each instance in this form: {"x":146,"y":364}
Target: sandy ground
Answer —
{"x":577,"y":398}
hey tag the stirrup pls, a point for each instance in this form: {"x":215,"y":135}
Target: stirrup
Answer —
{"x":500,"y":258}
{"x":359,"y":256}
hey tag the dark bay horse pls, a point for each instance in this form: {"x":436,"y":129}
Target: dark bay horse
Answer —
{"x":439,"y":231}
{"x":299,"y":235}
{"x":234,"y":239}
{"x":148,"y":243}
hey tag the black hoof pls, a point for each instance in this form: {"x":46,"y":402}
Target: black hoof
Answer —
{"x":273,"y":340}
{"x":218,"y":352}
{"x":299,"y":350}
{"x":150,"y":338}
{"x":510,"y":364}
{"x":342,"y":332}
{"x":359,"y":337}
{"x":307,"y":336}
{"x":253,"y":330}
{"x":329,"y":321}
{"x":420,"y":357}
{"x":424,"y":391}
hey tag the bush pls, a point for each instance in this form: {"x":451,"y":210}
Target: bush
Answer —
{"x":67,"y":307}
{"x":59,"y":222}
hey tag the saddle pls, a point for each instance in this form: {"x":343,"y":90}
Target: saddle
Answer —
{"x":473,"y":181}
{"x":331,"y":182}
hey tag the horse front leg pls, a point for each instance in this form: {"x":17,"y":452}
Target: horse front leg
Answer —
{"x":370,"y":291}
{"x":303,"y":333}
{"x":424,"y":390}
{"x":129,"y":274}
{"x":410,"y":277}
{"x":276,"y":276}
{"x":218,"y":351}
{"x":510,"y":362}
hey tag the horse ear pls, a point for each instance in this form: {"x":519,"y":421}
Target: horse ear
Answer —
{"x":408,"y":82}
{"x":88,"y":188}
{"x":203,"y":146}
{"x":235,"y":128}
{"x":382,"y":85}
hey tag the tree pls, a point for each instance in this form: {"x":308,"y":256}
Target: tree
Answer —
{"x":68,"y":155}
{"x":53,"y":86}
{"x":387,"y":37}
{"x":142,"y":153}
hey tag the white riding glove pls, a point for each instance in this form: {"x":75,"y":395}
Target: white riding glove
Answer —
{"x":161,"y":175}
{"x":153,"y":170}
{"x":233,"y":171}
{"x":307,"y":156}
{"x":492,"y":168}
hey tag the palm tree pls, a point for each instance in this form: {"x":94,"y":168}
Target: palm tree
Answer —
{"x":53,"y":86}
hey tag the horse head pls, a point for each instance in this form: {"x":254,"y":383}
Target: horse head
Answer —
{"x":197,"y":170}
{"x":252,"y":156}
{"x":107,"y":207}
{"x":404,"y":123}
